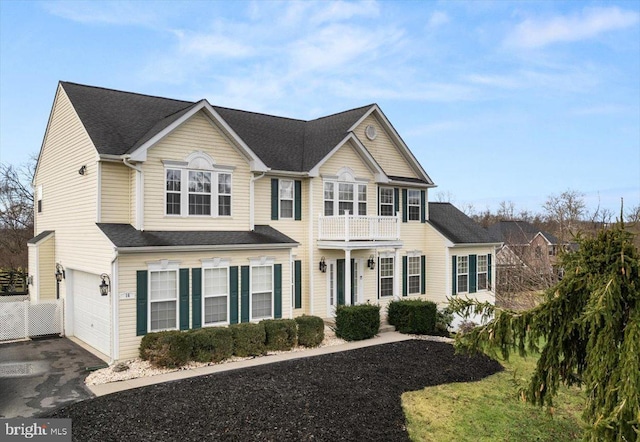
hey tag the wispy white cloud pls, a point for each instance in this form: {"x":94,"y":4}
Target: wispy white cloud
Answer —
{"x":602,"y":109}
{"x":437,"y":19}
{"x":335,"y":11}
{"x":211,"y":45}
{"x":111,"y":13}
{"x":591,"y":22}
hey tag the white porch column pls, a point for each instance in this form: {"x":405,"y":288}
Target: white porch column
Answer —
{"x":347,"y":277}
{"x":397,"y":275}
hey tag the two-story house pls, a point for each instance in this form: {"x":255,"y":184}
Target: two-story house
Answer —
{"x":158,"y":214}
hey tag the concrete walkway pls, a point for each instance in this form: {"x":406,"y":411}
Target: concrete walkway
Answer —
{"x":112,"y":387}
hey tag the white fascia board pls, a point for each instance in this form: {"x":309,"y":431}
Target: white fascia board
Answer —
{"x":274,"y":172}
{"x":398,"y":140}
{"x":409,"y":184}
{"x":362,"y":151}
{"x":31,"y":244}
{"x":543,"y":237}
{"x":477,"y":244}
{"x":447,"y":242}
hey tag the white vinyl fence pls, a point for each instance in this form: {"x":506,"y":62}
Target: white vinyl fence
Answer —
{"x":19,"y":320}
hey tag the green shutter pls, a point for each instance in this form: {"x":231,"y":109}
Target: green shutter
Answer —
{"x":378,"y":201}
{"x":454,"y":275}
{"x":196,"y":297}
{"x":297,"y":265}
{"x":184,"y":299}
{"x":378,"y":276}
{"x":473,"y":274}
{"x":423,"y":206}
{"x":274,"y":198}
{"x":489,"y":270}
{"x":233,"y":295}
{"x":423,"y":275}
{"x":244,"y":294}
{"x":396,"y":201}
{"x":405,"y":207}
{"x":297,"y":199}
{"x":405,"y":275}
{"x":141,"y":302}
{"x":277,"y":291}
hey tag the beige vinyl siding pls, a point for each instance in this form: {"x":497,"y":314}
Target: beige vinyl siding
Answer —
{"x":128,"y":265}
{"x":438,"y":269}
{"x":116,"y":193}
{"x":346,"y":156}
{"x":47,"y":269}
{"x":69,"y":199}
{"x":383,"y":149}
{"x":196,"y":134}
{"x":34,"y":265}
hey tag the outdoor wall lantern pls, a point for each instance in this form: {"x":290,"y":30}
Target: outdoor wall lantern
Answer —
{"x":104,"y":285}
{"x":82,"y":170}
{"x":60,"y":273}
{"x":371,"y":262}
{"x":322,"y":265}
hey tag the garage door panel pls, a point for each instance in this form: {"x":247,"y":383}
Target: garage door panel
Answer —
{"x":91,"y":311}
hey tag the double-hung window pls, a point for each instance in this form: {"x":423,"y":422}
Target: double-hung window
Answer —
{"x":199,"y":193}
{"x":482,"y":272}
{"x":386,"y":277}
{"x":413,"y":204}
{"x":215,"y":295}
{"x":386,"y":201}
{"x":463,"y":274}
{"x":286,"y":198}
{"x":340,"y":197}
{"x":206,"y":193}
{"x":413,"y":275}
{"x":261,"y":292}
{"x":163,"y":300}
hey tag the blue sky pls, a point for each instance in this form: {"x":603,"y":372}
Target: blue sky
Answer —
{"x":498,"y":100}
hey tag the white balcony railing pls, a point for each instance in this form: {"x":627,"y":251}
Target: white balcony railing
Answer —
{"x":359,"y":228}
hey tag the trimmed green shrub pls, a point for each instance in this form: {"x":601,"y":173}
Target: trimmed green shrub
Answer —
{"x":357,"y":322}
{"x":413,"y":316}
{"x":168,"y":349}
{"x":282,"y":334}
{"x":310,"y":330}
{"x":248,"y":339}
{"x":211,"y":344}
{"x":444,"y":318}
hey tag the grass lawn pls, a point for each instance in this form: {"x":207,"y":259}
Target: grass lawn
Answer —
{"x":490,"y":410}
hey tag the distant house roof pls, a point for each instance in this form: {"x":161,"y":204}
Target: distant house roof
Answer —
{"x":119,"y":122}
{"x":518,"y":232}
{"x":126,"y":236}
{"x":456,"y":226}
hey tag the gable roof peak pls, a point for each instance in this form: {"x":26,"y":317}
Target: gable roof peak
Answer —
{"x":106,"y":89}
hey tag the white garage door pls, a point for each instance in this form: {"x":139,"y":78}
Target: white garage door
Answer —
{"x":90,"y":311}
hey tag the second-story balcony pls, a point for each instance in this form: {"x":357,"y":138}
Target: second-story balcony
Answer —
{"x":359,"y":228}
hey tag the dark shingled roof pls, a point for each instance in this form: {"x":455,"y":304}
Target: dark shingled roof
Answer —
{"x":125,"y":235}
{"x":40,"y":236}
{"x":517,"y":232}
{"x":120,"y":122}
{"x":456,"y":226}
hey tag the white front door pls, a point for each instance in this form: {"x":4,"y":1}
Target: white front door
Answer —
{"x":336,"y":291}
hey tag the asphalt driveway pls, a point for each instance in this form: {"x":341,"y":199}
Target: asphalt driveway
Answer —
{"x":345,"y":396}
{"x":39,"y":376}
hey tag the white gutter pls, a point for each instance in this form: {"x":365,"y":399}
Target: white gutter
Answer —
{"x":288,"y":173}
{"x":151,"y":249}
{"x":252,"y":209}
{"x":139,"y":192}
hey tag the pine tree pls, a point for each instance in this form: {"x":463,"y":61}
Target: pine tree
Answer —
{"x":587,"y":332}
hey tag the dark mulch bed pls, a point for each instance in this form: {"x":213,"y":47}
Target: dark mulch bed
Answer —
{"x":351,"y":395}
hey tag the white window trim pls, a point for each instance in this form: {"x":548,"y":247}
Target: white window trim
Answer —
{"x":292,"y":199}
{"x":184,"y":168}
{"x":409,"y":205}
{"x":216,"y":263}
{"x":392,"y":277}
{"x":163,"y":266}
{"x":336,"y":195}
{"x":270,"y":264}
{"x":393,"y":201}
{"x":478,"y":273}
{"x":458,"y":274}
{"x":409,"y":274}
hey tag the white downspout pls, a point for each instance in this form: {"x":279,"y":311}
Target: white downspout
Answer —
{"x":139,"y":193}
{"x":311,"y":247}
{"x":252,"y":210}
{"x":115,"y":314}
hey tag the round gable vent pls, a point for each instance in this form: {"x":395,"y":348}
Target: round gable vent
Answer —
{"x":370,"y":132}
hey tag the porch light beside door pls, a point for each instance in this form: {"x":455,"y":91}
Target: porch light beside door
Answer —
{"x":371,"y":262}
{"x":104,"y":285}
{"x":322,"y":265}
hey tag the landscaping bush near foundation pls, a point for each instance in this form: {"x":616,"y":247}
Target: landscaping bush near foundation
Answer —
{"x":413,"y":316}
{"x":248,"y":339}
{"x":168,"y":349}
{"x":310,"y":330}
{"x":357,"y":322}
{"x":282,"y":334}
{"x":212,"y":344}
